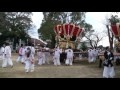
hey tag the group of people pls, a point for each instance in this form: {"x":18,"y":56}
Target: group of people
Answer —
{"x":27,"y":57}
{"x":42,"y":53}
{"x":27,"y":53}
{"x":68,"y":59}
{"x":92,"y":55}
{"x":108,"y":70}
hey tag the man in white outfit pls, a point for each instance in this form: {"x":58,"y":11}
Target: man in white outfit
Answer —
{"x":47,"y":54}
{"x":2,"y":51}
{"x":19,"y":59}
{"x":23,"y":54}
{"x":40,"y":57}
{"x":90,"y":55}
{"x":29,"y":61}
{"x":108,"y":71}
{"x":33,"y":53}
{"x":57,"y":52}
{"x":7,"y":56}
{"x":69,"y":59}
{"x":95,"y":54}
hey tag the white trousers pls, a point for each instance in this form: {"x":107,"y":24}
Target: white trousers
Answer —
{"x":47,"y":57}
{"x":43,"y":59}
{"x":57,"y":61}
{"x":2,"y":56}
{"x":19,"y":59}
{"x":23,"y":59}
{"x":29,"y":66}
{"x":108,"y":72}
{"x":94,"y":58}
{"x":90,"y":59}
{"x":40,"y":61}
{"x":69,"y":61}
{"x":7,"y":61}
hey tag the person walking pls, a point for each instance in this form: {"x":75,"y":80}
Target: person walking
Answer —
{"x":7,"y":56}
{"x":108,"y":71}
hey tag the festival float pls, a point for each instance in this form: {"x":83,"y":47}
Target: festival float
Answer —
{"x":67,"y":35}
{"x":116,"y":32}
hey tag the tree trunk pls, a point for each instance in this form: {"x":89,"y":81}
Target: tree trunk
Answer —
{"x":91,"y":44}
{"x":110,"y":38}
{"x":111,"y":46}
{"x":53,"y":42}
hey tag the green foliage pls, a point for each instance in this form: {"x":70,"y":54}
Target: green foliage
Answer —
{"x":83,"y":46}
{"x":15,"y":25}
{"x":114,"y":19}
{"x":51,"y":19}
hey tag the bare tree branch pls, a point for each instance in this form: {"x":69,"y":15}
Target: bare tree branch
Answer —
{"x":94,"y":39}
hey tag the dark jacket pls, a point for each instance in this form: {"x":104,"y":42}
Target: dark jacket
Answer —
{"x":108,"y":59}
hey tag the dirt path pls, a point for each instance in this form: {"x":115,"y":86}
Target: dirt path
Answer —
{"x":80,"y":69}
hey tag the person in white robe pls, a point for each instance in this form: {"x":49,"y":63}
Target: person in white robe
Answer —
{"x":2,"y":51}
{"x":29,"y":61}
{"x":19,"y":59}
{"x":47,"y":54}
{"x":44,"y":59}
{"x":57,"y":52}
{"x":53,"y":56}
{"x":69,"y":58}
{"x":7,"y":56}
{"x":95,"y":54}
{"x":40,"y":57}
{"x":108,"y":71}
{"x":90,"y":55}
{"x":23,"y":55}
{"x":33,"y":51}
